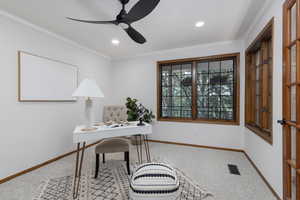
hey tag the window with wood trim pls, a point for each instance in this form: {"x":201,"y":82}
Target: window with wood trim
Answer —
{"x":258,"y":100}
{"x":199,"y":89}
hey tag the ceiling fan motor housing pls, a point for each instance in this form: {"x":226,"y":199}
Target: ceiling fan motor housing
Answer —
{"x":121,"y":15}
{"x":124,"y":1}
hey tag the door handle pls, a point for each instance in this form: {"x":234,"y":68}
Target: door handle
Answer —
{"x":282,"y":122}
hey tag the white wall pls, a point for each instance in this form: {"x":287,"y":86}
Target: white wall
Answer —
{"x":32,"y":133}
{"x":136,"y":77}
{"x":268,"y":158}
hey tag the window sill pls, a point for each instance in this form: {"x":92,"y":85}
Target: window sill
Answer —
{"x":261,"y":133}
{"x":188,"y":120}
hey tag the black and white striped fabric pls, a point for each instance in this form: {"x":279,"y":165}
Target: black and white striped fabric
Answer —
{"x":154,"y":181}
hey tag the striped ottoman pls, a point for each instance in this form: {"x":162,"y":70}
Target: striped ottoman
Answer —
{"x":154,"y":181}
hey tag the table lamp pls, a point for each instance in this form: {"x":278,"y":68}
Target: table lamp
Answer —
{"x":89,"y":89}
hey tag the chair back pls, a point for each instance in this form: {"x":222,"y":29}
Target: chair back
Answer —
{"x":115,"y":113}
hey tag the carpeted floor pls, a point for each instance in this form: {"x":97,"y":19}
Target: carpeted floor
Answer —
{"x":111,"y":184}
{"x":207,"y":167}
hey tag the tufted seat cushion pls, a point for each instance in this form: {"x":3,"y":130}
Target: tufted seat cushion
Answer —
{"x":115,"y":113}
{"x":113,"y":145}
{"x":154,"y":181}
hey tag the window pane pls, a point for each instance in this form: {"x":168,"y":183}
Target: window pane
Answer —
{"x":186,"y":80}
{"x":166,"y":70}
{"x":214,"y":102}
{"x":227,"y":90}
{"x":293,"y":103}
{"x":166,"y":91}
{"x":203,"y":79}
{"x":186,"y":112}
{"x":257,"y":112}
{"x":226,"y":109}
{"x":176,"y":90}
{"x":215,"y":90}
{"x":186,"y":91}
{"x":176,"y":112}
{"x":187,"y":69}
{"x":293,"y":64}
{"x":214,"y":67}
{"x":202,"y":67}
{"x":186,"y":101}
{"x":226,"y":78}
{"x":215,"y":78}
{"x":214,"y":114}
{"x":176,"y":81}
{"x":227,"y":66}
{"x":257,"y":89}
{"x":226,"y":116}
{"x":227,"y":102}
{"x":202,"y":101}
{"x":293,"y":22}
{"x":166,"y":102}
{"x":176,"y":70}
{"x":166,"y":81}
{"x":166,"y":111}
{"x":203,"y":89}
{"x":257,"y":58}
{"x":203,"y":113}
{"x":212,"y":86}
{"x":176,"y":101}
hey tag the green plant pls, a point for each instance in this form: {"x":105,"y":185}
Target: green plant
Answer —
{"x":133,"y":110}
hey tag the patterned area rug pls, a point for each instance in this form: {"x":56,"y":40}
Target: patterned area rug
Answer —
{"x":112,"y":184}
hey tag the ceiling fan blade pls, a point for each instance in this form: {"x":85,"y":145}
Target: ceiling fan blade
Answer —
{"x":141,"y":9}
{"x":134,"y":35}
{"x":94,"y":22}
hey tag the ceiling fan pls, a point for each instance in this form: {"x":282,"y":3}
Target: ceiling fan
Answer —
{"x":140,"y":10}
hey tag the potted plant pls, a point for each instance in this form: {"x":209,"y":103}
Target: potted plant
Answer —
{"x":137,"y":112}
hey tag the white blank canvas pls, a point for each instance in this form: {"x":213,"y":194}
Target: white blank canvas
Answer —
{"x":44,"y":79}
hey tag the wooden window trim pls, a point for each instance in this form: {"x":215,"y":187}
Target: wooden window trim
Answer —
{"x":236,"y":102}
{"x":268,"y":31}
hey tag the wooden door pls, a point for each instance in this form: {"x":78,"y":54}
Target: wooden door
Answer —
{"x":291,"y":100}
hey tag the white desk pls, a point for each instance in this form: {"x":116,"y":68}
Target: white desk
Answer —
{"x":103,"y":132}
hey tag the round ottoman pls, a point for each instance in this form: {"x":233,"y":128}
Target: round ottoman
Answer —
{"x":154,"y":181}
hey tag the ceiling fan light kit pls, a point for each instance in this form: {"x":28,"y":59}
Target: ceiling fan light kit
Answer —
{"x":124,"y":19}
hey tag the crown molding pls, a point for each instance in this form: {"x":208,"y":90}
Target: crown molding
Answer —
{"x":161,"y":52}
{"x":52,"y":34}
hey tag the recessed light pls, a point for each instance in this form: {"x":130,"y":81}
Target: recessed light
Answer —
{"x":115,"y":42}
{"x":199,"y":24}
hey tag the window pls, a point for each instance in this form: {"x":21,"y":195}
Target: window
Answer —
{"x":258,"y":100}
{"x":199,"y":89}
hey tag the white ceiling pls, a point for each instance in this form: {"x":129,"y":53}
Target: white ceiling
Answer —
{"x":170,"y":25}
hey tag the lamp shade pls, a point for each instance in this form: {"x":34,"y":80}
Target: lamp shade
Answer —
{"x":88,"y":88}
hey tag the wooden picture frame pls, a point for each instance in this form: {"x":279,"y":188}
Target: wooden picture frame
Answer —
{"x":21,"y":79}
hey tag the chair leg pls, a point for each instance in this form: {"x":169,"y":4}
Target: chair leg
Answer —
{"x":103,"y":155}
{"x":126,"y":155}
{"x":97,"y":165}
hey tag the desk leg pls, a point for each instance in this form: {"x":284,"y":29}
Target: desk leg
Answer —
{"x":78,"y":170}
{"x":141,"y":149}
{"x":137,"y":149}
{"x":147,"y":149}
